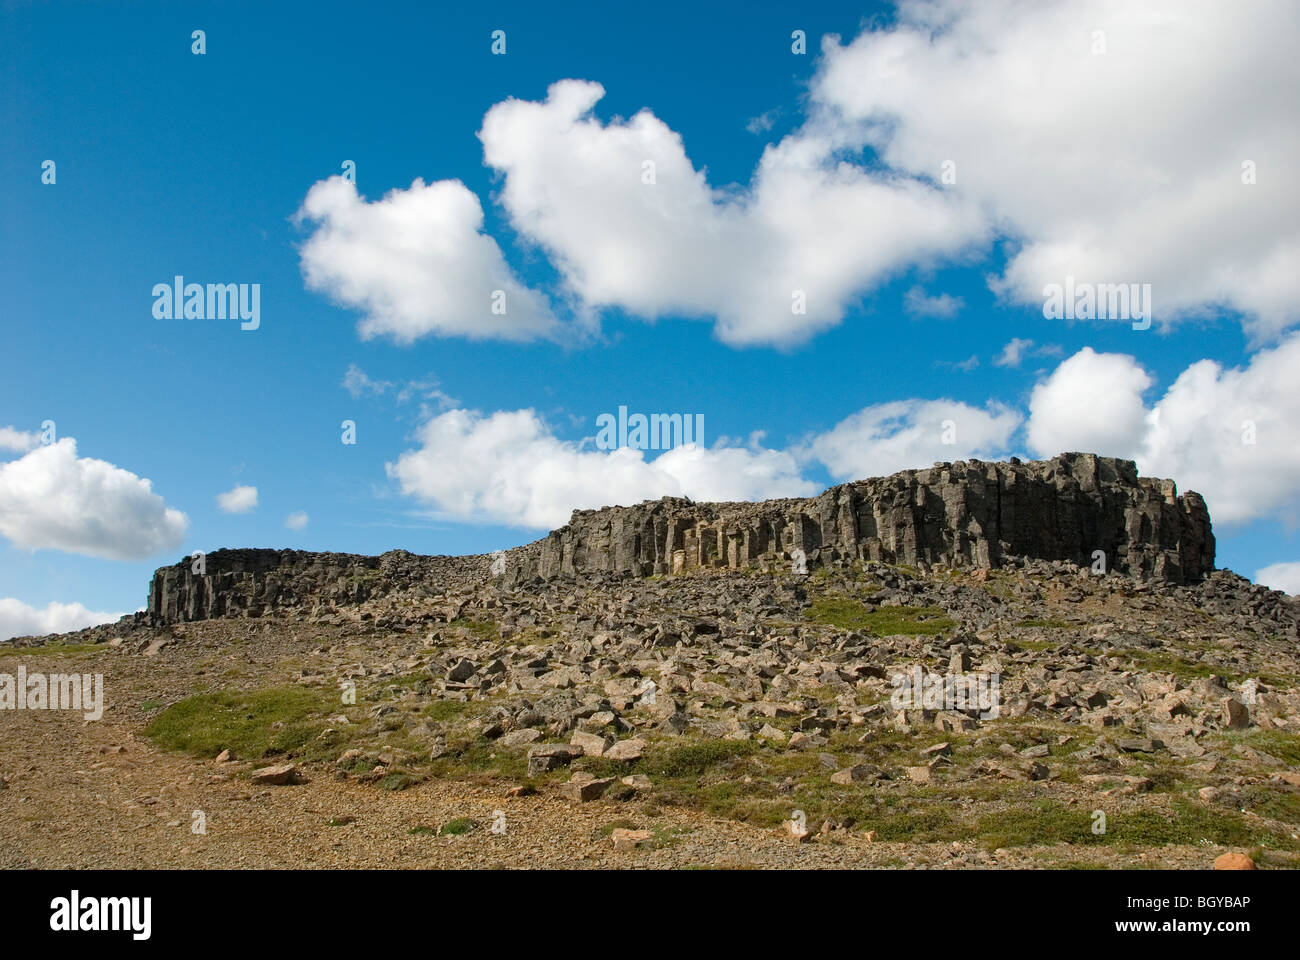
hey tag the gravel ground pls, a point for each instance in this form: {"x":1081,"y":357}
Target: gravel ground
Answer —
{"x":97,"y":795}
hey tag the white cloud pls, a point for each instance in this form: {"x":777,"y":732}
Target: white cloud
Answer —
{"x":918,"y":302}
{"x":1198,"y":430}
{"x":1098,"y":164}
{"x":425,"y":389}
{"x":53,"y":499}
{"x":808,"y":221}
{"x":296,"y":520}
{"x":18,"y":440}
{"x":1013,"y":353}
{"x":416,"y":263}
{"x":1092,"y":402}
{"x":1197,"y":433}
{"x":1092,"y":165}
{"x":1280,"y":576}
{"x":238,"y":499}
{"x":18,"y":619}
{"x":357,"y":383}
{"x":508,"y":467}
{"x":763,"y":122}
{"x":905,"y":434}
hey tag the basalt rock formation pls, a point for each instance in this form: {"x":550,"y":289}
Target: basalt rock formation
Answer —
{"x":1079,"y":508}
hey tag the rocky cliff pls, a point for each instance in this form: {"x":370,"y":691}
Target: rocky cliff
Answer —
{"x":1075,"y":507}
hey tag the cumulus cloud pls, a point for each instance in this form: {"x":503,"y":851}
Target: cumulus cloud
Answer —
{"x":1091,"y":402}
{"x":1005,"y":90}
{"x":630,"y":222}
{"x":52,"y":499}
{"x":1230,"y":434}
{"x":1280,"y":576}
{"x":296,"y":520}
{"x":238,"y":499}
{"x":18,"y":619}
{"x":416,"y":263}
{"x":508,"y":467}
{"x":906,"y":434}
{"x":18,"y":440}
{"x":924,"y":140}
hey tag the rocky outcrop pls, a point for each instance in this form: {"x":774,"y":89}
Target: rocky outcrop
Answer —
{"x":248,"y":583}
{"x":1075,"y":508}
{"x":967,"y":513}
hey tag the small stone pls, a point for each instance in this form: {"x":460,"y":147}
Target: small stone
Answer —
{"x":278,"y":775}
{"x":919,"y":774}
{"x":551,"y":756}
{"x":858,"y":773}
{"x":1235,"y":714}
{"x":626,"y":750}
{"x":349,"y":757}
{"x":223,"y":756}
{"x":1234,"y":861}
{"x":599,"y":719}
{"x":584,"y":791}
{"x":592,"y":744}
{"x":520,"y":738}
{"x":637,"y":781}
{"x":461,"y":671}
{"x":629,"y":839}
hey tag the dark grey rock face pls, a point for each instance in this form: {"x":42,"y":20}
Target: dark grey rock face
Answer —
{"x":963,"y":514}
{"x":248,"y":583}
{"x":967,"y":513}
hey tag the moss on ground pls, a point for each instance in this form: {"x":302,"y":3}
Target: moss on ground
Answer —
{"x":250,"y":724}
{"x":847,"y":613}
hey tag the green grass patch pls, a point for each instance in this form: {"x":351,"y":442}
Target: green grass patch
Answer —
{"x":1274,"y":802}
{"x":483,"y":629}
{"x":693,"y":759}
{"x":441,"y":710}
{"x":1153,"y":662}
{"x":457,"y":828}
{"x":9,"y":650}
{"x":250,"y":724}
{"x":613,"y":825}
{"x":1284,"y":746}
{"x":398,"y":780}
{"x":1188,"y":823}
{"x":846,"y":613}
{"x":1038,"y":646}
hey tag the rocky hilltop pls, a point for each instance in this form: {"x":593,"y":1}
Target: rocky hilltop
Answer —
{"x":950,"y":685}
{"x":963,"y":514}
{"x":967,"y":514}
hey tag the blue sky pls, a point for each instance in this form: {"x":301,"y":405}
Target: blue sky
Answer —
{"x":168,"y":163}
